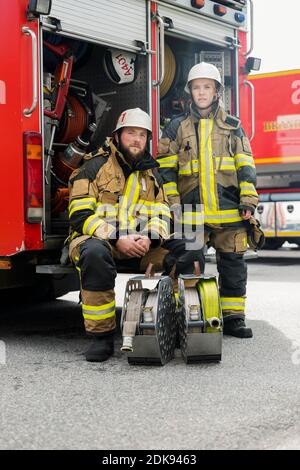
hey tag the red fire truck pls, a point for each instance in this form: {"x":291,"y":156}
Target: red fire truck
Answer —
{"x":276,"y":147}
{"x":67,"y":70}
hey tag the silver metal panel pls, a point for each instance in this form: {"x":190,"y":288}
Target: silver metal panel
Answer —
{"x":118,"y":23}
{"x":208,"y":10}
{"x":288,"y":218}
{"x":204,"y":344}
{"x":195,"y":25}
{"x":279,"y":219}
{"x":265,"y":213}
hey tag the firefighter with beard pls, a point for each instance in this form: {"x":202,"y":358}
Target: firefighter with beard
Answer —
{"x":206,"y":162}
{"x":119,"y":218}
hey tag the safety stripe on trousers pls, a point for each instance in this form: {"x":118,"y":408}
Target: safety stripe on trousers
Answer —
{"x":99,"y":312}
{"x":233,"y":303}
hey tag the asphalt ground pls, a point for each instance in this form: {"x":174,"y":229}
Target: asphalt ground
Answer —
{"x":51,"y":398}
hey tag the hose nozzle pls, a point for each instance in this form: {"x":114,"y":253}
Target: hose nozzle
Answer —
{"x":214,"y":322}
{"x":127,"y":345}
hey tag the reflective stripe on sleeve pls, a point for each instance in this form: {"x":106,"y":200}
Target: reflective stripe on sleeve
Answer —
{"x":159,"y":226}
{"x":91,"y":224}
{"x":248,"y":189}
{"x":171,"y":189}
{"x":243,"y":160}
{"x":82,"y":204}
{"x":168,"y":162}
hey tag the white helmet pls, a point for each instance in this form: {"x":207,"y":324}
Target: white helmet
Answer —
{"x":203,"y":70}
{"x":120,"y":66}
{"x":134,"y":118}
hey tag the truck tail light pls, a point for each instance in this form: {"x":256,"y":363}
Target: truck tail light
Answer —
{"x":33,"y":177}
{"x":220,"y":10}
{"x":198,"y":3}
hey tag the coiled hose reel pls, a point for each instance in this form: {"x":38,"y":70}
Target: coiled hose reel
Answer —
{"x":150,"y":320}
{"x":200,"y":322}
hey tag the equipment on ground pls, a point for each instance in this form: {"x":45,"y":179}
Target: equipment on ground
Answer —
{"x":148,"y":322}
{"x":199,"y":319}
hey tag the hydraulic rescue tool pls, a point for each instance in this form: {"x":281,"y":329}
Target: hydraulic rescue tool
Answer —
{"x":199,"y":318}
{"x":148,"y":321}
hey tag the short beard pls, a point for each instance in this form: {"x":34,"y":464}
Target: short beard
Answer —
{"x":129,"y":157}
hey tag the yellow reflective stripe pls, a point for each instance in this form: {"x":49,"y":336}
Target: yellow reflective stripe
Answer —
{"x":210,"y":162}
{"x":243,"y":160}
{"x":99,"y":312}
{"x":152,"y":208}
{"x":107,"y":210}
{"x":81,"y":204}
{"x":91,"y":224}
{"x":195,"y":166}
{"x":248,"y":189}
{"x":189,"y":168}
{"x":168,"y":162}
{"x":171,"y":189}
{"x":99,"y":317}
{"x":222,"y":216}
{"x":207,"y":173}
{"x":73,"y":235}
{"x":130,"y":197}
{"x":227,"y":163}
{"x":233,"y":303}
{"x":76,"y":259}
{"x":192,"y":218}
{"x":185,"y":170}
{"x":161,"y":225}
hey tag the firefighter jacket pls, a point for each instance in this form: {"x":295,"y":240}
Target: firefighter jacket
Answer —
{"x":108,"y":195}
{"x":208,"y":163}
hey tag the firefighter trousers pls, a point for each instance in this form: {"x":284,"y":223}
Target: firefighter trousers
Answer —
{"x":230,"y":245}
{"x":98,"y":262}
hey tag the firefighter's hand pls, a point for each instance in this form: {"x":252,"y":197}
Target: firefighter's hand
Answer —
{"x":245,"y":214}
{"x":145,"y":242}
{"x":129,"y":246}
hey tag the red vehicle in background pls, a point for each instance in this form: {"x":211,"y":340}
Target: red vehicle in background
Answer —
{"x":276,"y":148}
{"x":67,"y":71}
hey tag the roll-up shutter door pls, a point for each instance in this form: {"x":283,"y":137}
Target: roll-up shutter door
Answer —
{"x":194,"y":25}
{"x":118,"y":23}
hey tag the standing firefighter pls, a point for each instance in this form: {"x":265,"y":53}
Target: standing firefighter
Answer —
{"x":206,"y":161}
{"x":119,"y":217}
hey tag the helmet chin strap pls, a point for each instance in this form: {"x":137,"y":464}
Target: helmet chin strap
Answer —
{"x":215,"y":101}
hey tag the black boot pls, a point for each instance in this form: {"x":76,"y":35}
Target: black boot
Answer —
{"x":237,"y":327}
{"x":101,"y":348}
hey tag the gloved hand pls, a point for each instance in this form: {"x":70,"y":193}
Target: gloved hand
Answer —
{"x":255,"y":235}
